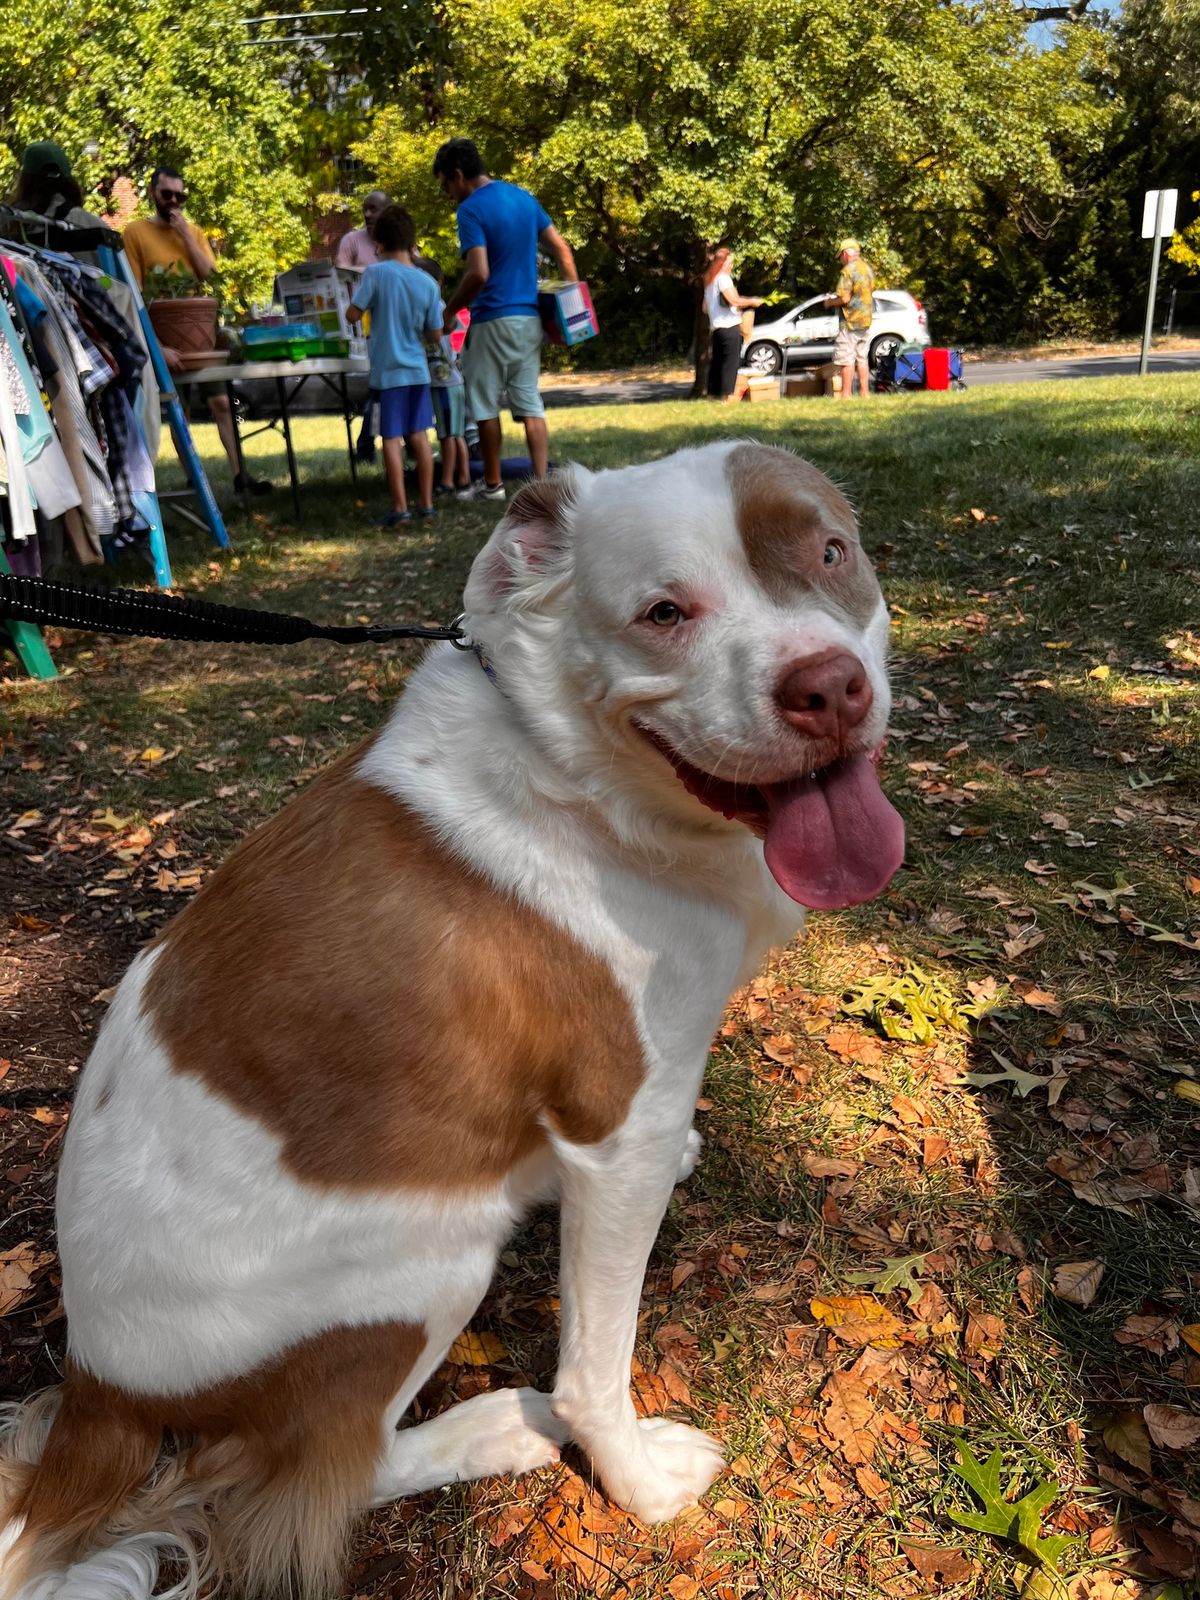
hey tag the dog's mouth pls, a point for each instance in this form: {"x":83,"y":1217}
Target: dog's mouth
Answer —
{"x":831,"y":838}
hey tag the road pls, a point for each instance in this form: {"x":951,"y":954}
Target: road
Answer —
{"x":976,"y":373}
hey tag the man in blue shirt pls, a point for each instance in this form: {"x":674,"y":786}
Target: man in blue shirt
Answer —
{"x":500,"y":227}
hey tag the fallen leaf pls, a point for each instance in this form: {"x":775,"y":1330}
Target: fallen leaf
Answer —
{"x":848,"y":1418}
{"x":859,"y":1319}
{"x":855,"y":1046}
{"x":829,"y":1166}
{"x":1171,"y":1427}
{"x":940,"y":1566}
{"x":476,"y":1350}
{"x":1077,"y":1281}
{"x":1157,"y":1333}
{"x":1191,"y":1336}
{"x":1126,"y":1436}
{"x":985,"y":1334}
{"x":1101,"y":672}
{"x":1168,"y":1553}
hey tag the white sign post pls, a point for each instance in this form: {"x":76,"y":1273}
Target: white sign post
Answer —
{"x":1158,"y":223}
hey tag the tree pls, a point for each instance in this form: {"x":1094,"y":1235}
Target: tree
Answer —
{"x":653,"y":129}
{"x":154,"y":82}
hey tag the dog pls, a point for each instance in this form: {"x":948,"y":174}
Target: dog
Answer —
{"x":479,"y":962}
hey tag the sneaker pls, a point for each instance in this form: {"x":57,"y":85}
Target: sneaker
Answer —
{"x":481,"y":490}
{"x":393,"y":519}
{"x":444,"y":488}
{"x":426,"y":511}
{"x":245,"y":484}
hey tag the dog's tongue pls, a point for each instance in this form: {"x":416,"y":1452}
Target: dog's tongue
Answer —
{"x":833,"y":839}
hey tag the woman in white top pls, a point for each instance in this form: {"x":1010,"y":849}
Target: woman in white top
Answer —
{"x":724,"y":306}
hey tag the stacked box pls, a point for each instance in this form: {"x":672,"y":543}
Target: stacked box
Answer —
{"x":568,"y":316}
{"x":320,"y":292}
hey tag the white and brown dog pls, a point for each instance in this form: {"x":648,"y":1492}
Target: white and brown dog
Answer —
{"x":479,"y":961}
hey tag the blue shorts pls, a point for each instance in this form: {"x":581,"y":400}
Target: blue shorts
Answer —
{"x":405,"y":410}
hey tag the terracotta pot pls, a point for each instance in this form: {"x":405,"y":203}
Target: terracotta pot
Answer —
{"x":184,"y":325}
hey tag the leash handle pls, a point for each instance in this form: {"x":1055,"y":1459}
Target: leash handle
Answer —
{"x":164,"y":616}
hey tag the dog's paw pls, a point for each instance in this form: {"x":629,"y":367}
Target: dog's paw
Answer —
{"x":513,"y":1431}
{"x":691,"y":1156}
{"x":670,"y":1467}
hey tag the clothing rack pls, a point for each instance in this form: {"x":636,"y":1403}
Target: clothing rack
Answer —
{"x":209,"y":519}
{"x":43,"y":233}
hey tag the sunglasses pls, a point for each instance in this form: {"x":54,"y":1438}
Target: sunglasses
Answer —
{"x":171,"y":197}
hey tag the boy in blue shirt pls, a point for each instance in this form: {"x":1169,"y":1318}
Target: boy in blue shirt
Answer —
{"x":405,"y":307}
{"x":500,"y":227}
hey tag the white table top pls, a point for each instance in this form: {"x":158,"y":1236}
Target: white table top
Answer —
{"x":313,"y":367}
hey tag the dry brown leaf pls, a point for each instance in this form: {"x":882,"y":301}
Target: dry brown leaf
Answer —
{"x":1171,"y":1427}
{"x":985,"y":1334}
{"x":1126,"y":1436}
{"x":1158,"y":1333}
{"x":874,"y":1487}
{"x":1169,"y":1554}
{"x":854,"y":1045}
{"x":848,"y":1418}
{"x":940,"y":1566}
{"x":1191,"y":1336}
{"x":17,"y":1268}
{"x":829,"y":1166}
{"x":1077,"y":1281}
{"x":682,"y":1272}
{"x":476,"y":1350}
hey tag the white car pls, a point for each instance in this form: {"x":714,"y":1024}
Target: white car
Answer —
{"x":808,"y":330}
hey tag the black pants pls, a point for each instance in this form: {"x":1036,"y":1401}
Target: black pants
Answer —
{"x":723,"y":365}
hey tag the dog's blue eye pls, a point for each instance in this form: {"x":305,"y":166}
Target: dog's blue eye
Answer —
{"x":835,"y":554}
{"x":664,"y":614}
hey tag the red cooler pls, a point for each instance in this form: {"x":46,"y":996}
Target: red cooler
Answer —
{"x":937,"y":368}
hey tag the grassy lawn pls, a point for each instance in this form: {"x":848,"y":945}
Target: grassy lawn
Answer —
{"x":950,"y":1195}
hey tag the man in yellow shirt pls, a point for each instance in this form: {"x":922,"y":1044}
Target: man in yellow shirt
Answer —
{"x":163,"y":240}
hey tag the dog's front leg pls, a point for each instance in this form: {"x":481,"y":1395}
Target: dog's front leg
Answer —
{"x":613,"y":1198}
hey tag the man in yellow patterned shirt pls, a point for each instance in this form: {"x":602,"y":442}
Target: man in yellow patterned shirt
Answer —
{"x":855,"y":299}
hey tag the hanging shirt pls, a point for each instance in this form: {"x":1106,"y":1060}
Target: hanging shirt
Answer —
{"x":150,"y":243}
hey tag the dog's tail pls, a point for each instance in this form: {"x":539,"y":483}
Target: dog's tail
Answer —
{"x":71,"y":1526}
{"x":90,"y":1503}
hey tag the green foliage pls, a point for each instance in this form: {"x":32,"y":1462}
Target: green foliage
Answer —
{"x":152,"y":83}
{"x":173,"y":283}
{"x":1018,"y":1521}
{"x":897,"y":1272}
{"x":914,"y":1006}
{"x":654,"y":129}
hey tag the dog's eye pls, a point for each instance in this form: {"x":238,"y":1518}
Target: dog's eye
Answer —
{"x":664,"y":614}
{"x":835,"y":553}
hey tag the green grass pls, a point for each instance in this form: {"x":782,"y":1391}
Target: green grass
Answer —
{"x":1046,"y":662}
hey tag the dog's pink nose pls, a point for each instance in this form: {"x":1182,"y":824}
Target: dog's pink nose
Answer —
{"x":825,"y":695}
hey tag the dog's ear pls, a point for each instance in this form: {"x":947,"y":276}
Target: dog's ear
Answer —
{"x":530,"y":545}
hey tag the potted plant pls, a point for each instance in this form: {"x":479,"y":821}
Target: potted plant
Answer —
{"x":184,"y":316}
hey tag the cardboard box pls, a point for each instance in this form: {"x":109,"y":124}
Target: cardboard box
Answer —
{"x":568,"y":316}
{"x":801,"y":384}
{"x":318,"y":292}
{"x":831,"y":377}
{"x":759,"y":389}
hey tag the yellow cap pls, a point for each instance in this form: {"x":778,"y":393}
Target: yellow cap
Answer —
{"x":847,"y":244}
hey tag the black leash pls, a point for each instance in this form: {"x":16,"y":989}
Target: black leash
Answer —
{"x":165,"y":616}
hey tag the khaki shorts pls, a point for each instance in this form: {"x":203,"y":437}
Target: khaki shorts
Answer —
{"x":504,"y":354}
{"x":850,"y":346}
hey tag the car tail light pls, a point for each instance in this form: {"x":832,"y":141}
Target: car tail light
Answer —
{"x":917,"y":303}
